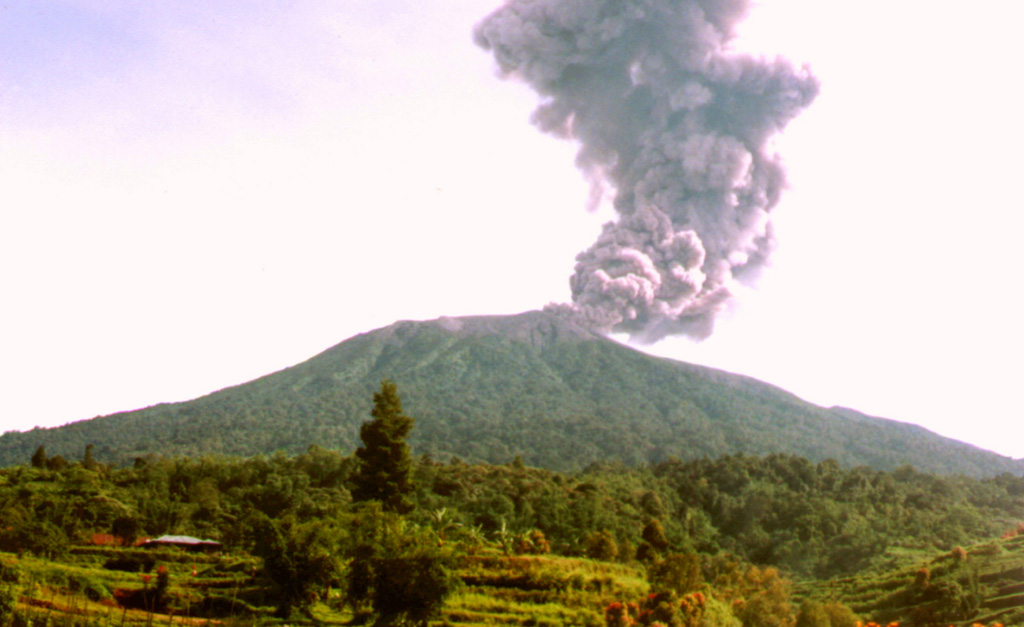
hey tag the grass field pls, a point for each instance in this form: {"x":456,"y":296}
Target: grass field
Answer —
{"x":82,"y":590}
{"x":990,"y":576}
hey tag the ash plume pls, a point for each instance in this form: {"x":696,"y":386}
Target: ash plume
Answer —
{"x":676,"y":125}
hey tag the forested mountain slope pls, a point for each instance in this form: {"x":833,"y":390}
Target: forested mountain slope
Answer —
{"x":491,"y":387}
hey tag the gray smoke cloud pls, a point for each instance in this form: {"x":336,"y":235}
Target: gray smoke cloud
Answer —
{"x":676,"y":126}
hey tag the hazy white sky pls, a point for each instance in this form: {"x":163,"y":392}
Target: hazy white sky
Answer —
{"x":196,"y":194}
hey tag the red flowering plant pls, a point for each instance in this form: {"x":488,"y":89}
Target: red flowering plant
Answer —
{"x":659,"y":609}
{"x":662,"y":607}
{"x":617,"y":615}
{"x":691,"y":609}
{"x":1013,"y":533}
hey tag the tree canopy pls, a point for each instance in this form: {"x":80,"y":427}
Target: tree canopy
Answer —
{"x":385,"y":465}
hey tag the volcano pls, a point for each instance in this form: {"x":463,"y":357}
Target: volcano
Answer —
{"x":489,"y":388}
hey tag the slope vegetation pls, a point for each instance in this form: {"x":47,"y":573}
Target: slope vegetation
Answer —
{"x":489,"y":388}
{"x":982,"y":583}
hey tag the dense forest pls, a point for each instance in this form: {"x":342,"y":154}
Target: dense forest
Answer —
{"x":815,"y":520}
{"x":488,"y":388}
{"x":734,"y":527}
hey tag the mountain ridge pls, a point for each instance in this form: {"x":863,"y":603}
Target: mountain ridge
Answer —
{"x":489,"y":388}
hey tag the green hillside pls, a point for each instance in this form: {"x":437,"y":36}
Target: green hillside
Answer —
{"x":490,"y":388}
{"x":980,"y":583}
{"x":526,"y":546}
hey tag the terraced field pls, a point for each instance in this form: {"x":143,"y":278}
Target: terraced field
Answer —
{"x":983,"y":583}
{"x":107,"y":587}
{"x":540,"y":591}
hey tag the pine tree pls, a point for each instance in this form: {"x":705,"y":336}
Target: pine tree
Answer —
{"x":89,"y":462}
{"x":39,"y":458}
{"x":385,"y":465}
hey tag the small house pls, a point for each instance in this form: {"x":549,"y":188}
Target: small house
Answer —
{"x":188,"y":543}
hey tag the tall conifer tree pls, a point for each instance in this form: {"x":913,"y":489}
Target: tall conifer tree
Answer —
{"x":39,"y":458}
{"x":385,"y":465}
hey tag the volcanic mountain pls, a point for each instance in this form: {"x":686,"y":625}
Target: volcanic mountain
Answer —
{"x":489,"y":388}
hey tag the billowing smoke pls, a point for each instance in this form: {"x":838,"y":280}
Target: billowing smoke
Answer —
{"x":676,"y":126}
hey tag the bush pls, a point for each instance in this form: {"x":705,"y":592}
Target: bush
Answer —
{"x":676,"y":572}
{"x":8,"y":599}
{"x":654,"y":535}
{"x":533,"y":543}
{"x":93,"y":590}
{"x":646,"y":553}
{"x":719,"y":614}
{"x":131,"y":564}
{"x":601,"y":545}
{"x":96,"y":591}
{"x":812,"y":614}
{"x":403,"y":573}
{"x":223,"y":607}
{"x":840,"y":615}
{"x":9,"y":573}
{"x":40,"y":538}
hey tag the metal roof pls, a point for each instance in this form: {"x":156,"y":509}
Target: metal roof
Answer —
{"x":182,"y":540}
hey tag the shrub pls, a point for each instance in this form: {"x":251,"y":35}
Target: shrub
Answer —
{"x":8,"y":599}
{"x":922,"y":577}
{"x":617,"y":615}
{"x":646,"y":553}
{"x":533,"y":543}
{"x":93,"y":590}
{"x":9,"y":573}
{"x":601,"y":545}
{"x":718,"y":613}
{"x":541,"y":546}
{"x":654,"y":535}
{"x":840,"y":616}
{"x":676,"y":572}
{"x":812,"y":614}
{"x":131,"y":563}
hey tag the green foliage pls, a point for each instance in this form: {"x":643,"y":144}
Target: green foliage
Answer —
{"x":811,"y":520}
{"x":814,"y":520}
{"x":131,"y":563}
{"x":532,"y":543}
{"x":765,"y":600}
{"x":163,"y":582}
{"x":39,"y":537}
{"x":57,"y":463}
{"x":812,"y":614}
{"x":489,"y":389}
{"x":601,"y":545}
{"x":297,"y":558}
{"x":731,"y":519}
{"x":662,"y":608}
{"x":819,"y":520}
{"x":839,"y":615}
{"x":89,"y":460}
{"x":679,"y":573}
{"x":8,"y":599}
{"x":385,"y":466}
{"x":718,"y":613}
{"x":39,"y":457}
{"x":126,"y":528}
{"x":654,"y":535}
{"x":93,"y":588}
{"x":403,"y":572}
{"x":10,"y":577}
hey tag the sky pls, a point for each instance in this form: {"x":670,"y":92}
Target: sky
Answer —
{"x":193,"y":195}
